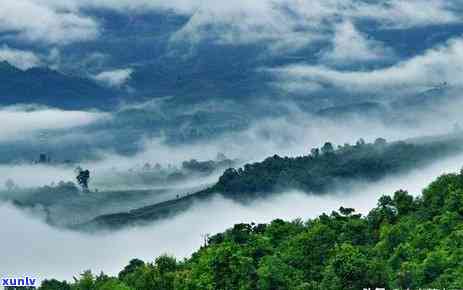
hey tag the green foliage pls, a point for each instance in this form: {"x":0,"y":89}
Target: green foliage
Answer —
{"x":327,"y":167}
{"x":131,"y":268}
{"x":274,"y":274}
{"x":404,"y":242}
{"x":55,"y":285}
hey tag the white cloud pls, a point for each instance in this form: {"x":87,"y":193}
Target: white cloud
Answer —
{"x":114,"y":78}
{"x":296,"y":23}
{"x":408,"y":13}
{"x":435,"y":66}
{"x":19,"y":58}
{"x":282,"y":24}
{"x":38,"y":21}
{"x":21,"y":122}
{"x":248,"y":22}
{"x":350,"y":46}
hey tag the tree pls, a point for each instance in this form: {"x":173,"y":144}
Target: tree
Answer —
{"x":86,"y":281}
{"x":327,"y":148}
{"x":10,"y":185}
{"x":315,"y":152}
{"x":403,"y":202}
{"x":54,"y":285}
{"x":113,"y":284}
{"x":360,"y":142}
{"x":133,"y":265}
{"x":310,"y":250}
{"x":224,"y":267}
{"x":380,"y":142}
{"x":346,"y":211}
{"x":166,"y":264}
{"x":348,"y":269}
{"x":274,"y":274}
{"x":83,"y":176}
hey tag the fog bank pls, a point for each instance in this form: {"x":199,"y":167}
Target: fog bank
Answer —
{"x":20,"y":122}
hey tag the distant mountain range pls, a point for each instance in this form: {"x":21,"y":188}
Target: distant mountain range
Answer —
{"x":191,"y":81}
{"x":45,"y":86}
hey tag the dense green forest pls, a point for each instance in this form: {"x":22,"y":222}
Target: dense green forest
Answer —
{"x":404,"y":242}
{"x":328,"y":166}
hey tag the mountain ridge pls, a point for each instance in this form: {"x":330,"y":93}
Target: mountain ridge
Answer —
{"x":44,"y":86}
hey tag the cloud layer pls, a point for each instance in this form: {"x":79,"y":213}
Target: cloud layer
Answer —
{"x":114,"y":78}
{"x":436,"y":66}
{"x":19,"y":58}
{"x":351,"y":46}
{"x":279,"y":23}
{"x":21,"y":122}
{"x":41,"y":22}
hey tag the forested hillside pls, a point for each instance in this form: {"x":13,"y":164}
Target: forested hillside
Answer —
{"x":404,"y":242}
{"x":327,"y":167}
{"x":322,"y":170}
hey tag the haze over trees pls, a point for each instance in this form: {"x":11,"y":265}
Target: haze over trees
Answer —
{"x":113,"y":189}
{"x":326,"y":169}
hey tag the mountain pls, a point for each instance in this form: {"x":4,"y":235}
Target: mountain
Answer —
{"x":144,"y":214}
{"x":364,"y":109}
{"x":323,"y":170}
{"x":48,"y":87}
{"x":430,"y":98}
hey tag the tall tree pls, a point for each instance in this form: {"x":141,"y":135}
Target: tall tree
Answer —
{"x":83,"y":177}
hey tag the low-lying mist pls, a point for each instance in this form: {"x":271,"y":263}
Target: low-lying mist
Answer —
{"x":286,"y":136}
{"x":23,"y":122}
{"x":69,"y":134}
{"x":32,"y":175}
{"x":289,"y":135}
{"x":31,"y":247}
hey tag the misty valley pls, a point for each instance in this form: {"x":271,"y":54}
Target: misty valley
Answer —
{"x":72,"y":202}
{"x":84,"y":204}
{"x":231,"y":145}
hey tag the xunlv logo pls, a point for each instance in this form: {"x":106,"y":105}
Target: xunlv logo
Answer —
{"x":18,"y":282}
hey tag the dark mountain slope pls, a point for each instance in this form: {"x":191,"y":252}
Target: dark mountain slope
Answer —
{"x":364,"y":109}
{"x":51,"y":88}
